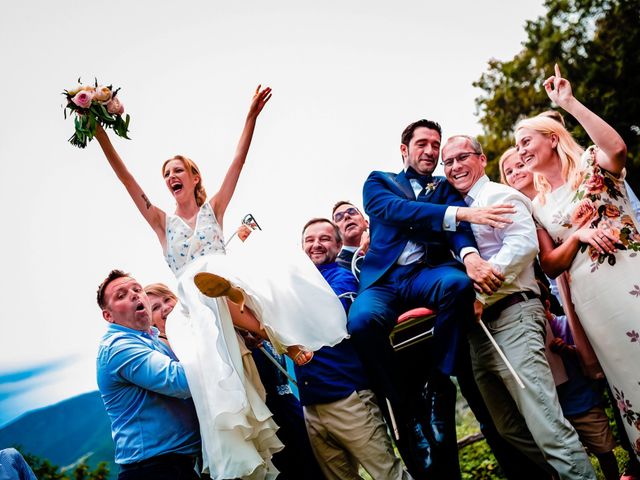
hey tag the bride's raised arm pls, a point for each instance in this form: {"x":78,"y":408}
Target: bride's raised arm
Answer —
{"x":221,"y":199}
{"x":153,"y":215}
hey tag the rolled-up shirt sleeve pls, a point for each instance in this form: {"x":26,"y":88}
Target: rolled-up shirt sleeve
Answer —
{"x":519,"y":241}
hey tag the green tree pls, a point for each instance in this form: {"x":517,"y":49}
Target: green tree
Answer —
{"x":597,"y":45}
{"x":45,"y":470}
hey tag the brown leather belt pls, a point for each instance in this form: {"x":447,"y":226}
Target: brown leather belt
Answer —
{"x":493,"y":312}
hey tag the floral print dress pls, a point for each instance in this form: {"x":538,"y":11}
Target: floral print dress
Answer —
{"x":605,"y":288}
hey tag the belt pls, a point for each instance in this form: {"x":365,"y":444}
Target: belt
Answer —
{"x":493,"y":312}
{"x":166,"y":459}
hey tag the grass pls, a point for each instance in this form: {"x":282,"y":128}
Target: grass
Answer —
{"x":476,"y":460}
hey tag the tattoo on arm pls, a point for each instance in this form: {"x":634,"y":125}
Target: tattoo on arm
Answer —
{"x":146,"y":201}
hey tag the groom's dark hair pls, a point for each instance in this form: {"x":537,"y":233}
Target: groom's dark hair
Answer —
{"x":407,"y":133}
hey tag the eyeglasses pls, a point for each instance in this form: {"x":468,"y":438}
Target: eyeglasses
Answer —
{"x":462,"y":157}
{"x":352,"y":211}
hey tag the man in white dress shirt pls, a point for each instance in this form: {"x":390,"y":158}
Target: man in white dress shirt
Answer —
{"x":530,"y":418}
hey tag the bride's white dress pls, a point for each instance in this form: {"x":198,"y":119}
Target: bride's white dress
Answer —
{"x":291,"y":299}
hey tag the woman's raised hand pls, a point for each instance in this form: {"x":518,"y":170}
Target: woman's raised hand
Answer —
{"x":558,"y":88}
{"x":260,"y":99}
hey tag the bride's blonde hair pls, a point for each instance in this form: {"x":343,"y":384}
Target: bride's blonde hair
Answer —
{"x":567,"y":149}
{"x":199,"y":192}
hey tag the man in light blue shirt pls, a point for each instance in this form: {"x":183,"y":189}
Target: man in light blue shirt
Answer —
{"x":144,"y":388}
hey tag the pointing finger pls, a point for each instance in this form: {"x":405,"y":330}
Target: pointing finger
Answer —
{"x":557,"y":70}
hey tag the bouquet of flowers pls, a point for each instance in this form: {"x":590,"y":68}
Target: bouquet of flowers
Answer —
{"x":93,"y":104}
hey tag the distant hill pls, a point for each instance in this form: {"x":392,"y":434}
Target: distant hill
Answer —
{"x":65,"y":432}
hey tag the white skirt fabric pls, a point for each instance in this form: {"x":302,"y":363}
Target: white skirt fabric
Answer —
{"x":295,"y":305}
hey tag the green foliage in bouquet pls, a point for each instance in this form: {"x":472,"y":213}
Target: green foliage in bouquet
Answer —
{"x":93,"y":105}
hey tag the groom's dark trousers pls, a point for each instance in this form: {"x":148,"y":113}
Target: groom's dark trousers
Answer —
{"x":387,"y":289}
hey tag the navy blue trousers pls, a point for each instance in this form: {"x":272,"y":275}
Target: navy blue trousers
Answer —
{"x":375,"y":311}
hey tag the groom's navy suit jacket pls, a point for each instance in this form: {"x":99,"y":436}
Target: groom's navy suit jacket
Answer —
{"x":395,"y":217}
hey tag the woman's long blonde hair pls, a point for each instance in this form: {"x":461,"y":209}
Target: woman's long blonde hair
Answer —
{"x":567,"y":149}
{"x":199,"y":192}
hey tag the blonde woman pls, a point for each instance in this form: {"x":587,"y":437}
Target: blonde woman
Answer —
{"x":588,"y":229}
{"x":162,"y":302}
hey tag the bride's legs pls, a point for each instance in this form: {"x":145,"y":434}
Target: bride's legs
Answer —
{"x":213,"y":285}
{"x":245,"y":318}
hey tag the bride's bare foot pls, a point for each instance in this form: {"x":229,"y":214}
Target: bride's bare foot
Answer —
{"x":214,"y":286}
{"x":299,"y":354}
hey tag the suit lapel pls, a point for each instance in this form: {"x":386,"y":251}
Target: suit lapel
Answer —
{"x":404,"y":185}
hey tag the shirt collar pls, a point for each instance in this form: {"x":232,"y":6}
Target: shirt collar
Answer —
{"x":349,"y":248}
{"x":327,"y":266}
{"x":475,"y":190}
{"x":151,"y":333}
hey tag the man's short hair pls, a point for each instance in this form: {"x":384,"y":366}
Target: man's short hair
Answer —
{"x":113,"y":275}
{"x":313,"y":221}
{"x":475,"y":144}
{"x":341,"y":203}
{"x":407,"y":133}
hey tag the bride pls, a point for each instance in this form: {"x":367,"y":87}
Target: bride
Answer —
{"x":289,"y":302}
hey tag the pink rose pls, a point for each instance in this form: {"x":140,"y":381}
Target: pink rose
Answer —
{"x":74,"y":90}
{"x":595,"y":184}
{"x":103,"y":95}
{"x":83,"y":98}
{"x":612,"y":211}
{"x":115,"y":106}
{"x":583,"y":213}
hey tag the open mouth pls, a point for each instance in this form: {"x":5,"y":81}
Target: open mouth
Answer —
{"x":176,"y":187}
{"x":460,"y":176}
{"x":139,"y":307}
{"x":350,"y":225}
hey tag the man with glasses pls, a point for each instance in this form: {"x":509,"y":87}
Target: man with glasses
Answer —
{"x":353,"y":228}
{"x":414,"y":226}
{"x":530,"y":418}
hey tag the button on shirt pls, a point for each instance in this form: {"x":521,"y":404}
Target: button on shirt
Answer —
{"x":145,"y":394}
{"x":511,"y":249}
{"x":414,"y":252}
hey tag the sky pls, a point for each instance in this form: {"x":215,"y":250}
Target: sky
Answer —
{"x":347,"y":77}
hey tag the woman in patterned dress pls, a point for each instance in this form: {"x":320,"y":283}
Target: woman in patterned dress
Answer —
{"x":588,"y":229}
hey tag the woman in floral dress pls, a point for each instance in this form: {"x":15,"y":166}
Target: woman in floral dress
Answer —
{"x":587,"y":228}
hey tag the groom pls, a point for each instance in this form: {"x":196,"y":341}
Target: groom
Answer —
{"x":414,"y":226}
